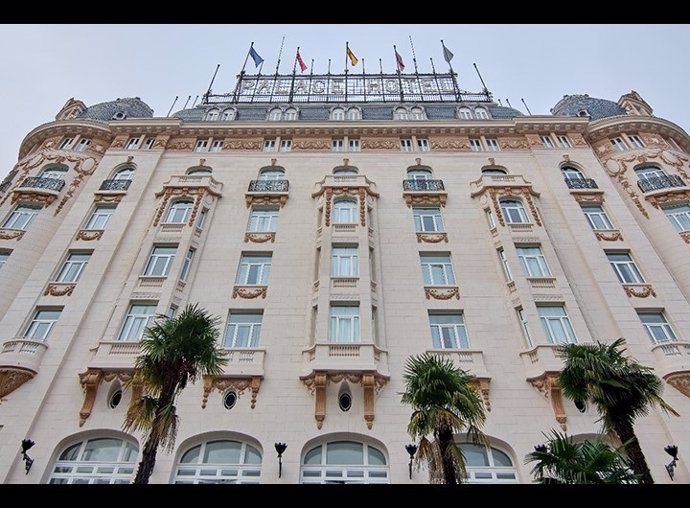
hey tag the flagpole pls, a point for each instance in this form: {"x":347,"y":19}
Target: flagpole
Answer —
{"x":275,"y":76}
{"x":246,"y":58}
{"x":452,"y":73}
{"x":383,"y":92}
{"x":294,"y":70}
{"x":347,"y":47}
{"x":364,"y":81}
{"x":208,"y":92}
{"x":486,"y":90}
{"x":438,"y":86}
{"x":395,"y":55}
{"x":328,"y":81}
{"x":311,"y":74}
{"x":238,"y":86}
{"x":416,"y":71}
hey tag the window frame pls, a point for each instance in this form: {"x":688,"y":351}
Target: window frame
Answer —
{"x":243,"y":320}
{"x":420,"y":213}
{"x":68,"y":264}
{"x":533,"y":264}
{"x":507,"y":205}
{"x":131,"y":319}
{"x":601,"y":215}
{"x":341,"y":211}
{"x":17,"y":214}
{"x":626,"y":270}
{"x":180,"y":205}
{"x":263,"y":216}
{"x":336,"y":324}
{"x":345,"y":261}
{"x":33,"y":328}
{"x":456,"y":336}
{"x":564,"y":319}
{"x":664,"y":325}
{"x":445,"y":265}
{"x":256,"y":264}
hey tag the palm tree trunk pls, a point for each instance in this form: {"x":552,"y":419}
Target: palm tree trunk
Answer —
{"x":445,"y":441}
{"x":638,"y":463}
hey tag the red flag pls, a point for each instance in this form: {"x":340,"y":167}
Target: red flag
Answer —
{"x":399,"y":61}
{"x":302,"y":65}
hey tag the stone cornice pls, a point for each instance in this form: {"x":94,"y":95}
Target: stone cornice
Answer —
{"x":614,"y":125}
{"x":88,"y":128}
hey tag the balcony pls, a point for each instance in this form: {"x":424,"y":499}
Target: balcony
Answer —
{"x":38,"y":190}
{"x":114,"y":185}
{"x":424,"y":192}
{"x":116,"y":355}
{"x":20,"y":359}
{"x":471,"y":362}
{"x":244,"y":370}
{"x":657,"y":183}
{"x":267,"y":192}
{"x":581,"y":183}
{"x":673,"y":361}
{"x":37,"y":183}
{"x":540,"y":360}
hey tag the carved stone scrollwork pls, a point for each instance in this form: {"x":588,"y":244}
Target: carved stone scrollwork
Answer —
{"x":610,"y":236}
{"x":35,"y":198}
{"x":259,"y":237}
{"x":524,"y":192}
{"x":311,"y":144}
{"x":425,"y":199}
{"x":482,"y":385}
{"x":56,"y":289}
{"x":514,"y":143}
{"x":640,"y":291}
{"x":89,"y":381}
{"x":171,"y":192}
{"x":249,"y":292}
{"x":670,"y":197}
{"x":586,"y":198}
{"x":447,"y":143}
{"x":380,"y":143}
{"x":438,"y":293}
{"x":161,"y":141}
{"x":680,"y":381}
{"x":244,"y":144}
{"x":11,"y":234}
{"x":181,"y":144}
{"x":11,"y":379}
{"x":265,"y":200}
{"x":577,"y":139}
{"x":547,"y":384}
{"x":89,"y":235}
{"x":108,"y":198}
{"x":368,"y":382}
{"x":685,"y":235}
{"x":432,"y":237}
{"x":240,"y":384}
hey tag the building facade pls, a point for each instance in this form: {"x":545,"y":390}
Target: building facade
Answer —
{"x":336,"y":228}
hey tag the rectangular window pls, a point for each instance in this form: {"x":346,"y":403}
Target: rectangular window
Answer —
{"x":172,"y":310}
{"x":139,"y":317}
{"x":504,"y":264}
{"x":269,"y":145}
{"x":345,"y":261}
{"x":42,"y":324}
{"x":3,"y":258}
{"x":556,"y":324}
{"x":243,"y":330}
{"x":658,"y":329}
{"x":187,"y":265}
{"x":490,"y":218}
{"x":285,"y":145}
{"x":21,"y":217}
{"x":217,"y":145}
{"x":492,"y":145}
{"x":475,"y":145}
{"x":73,"y":266}
{"x":82,"y":145}
{"x":66,"y":143}
{"x":337,"y":145}
{"x":353,"y":145}
{"x":427,"y":219}
{"x":636,"y":140}
{"x":524,"y":326}
{"x":533,"y":262}
{"x":201,"y":145}
{"x":679,"y":217}
{"x":344,"y":323}
{"x":132,"y":144}
{"x":564,"y":142}
{"x":437,"y":270}
{"x":625,"y":268}
{"x":254,"y":270}
{"x":202,"y":218}
{"x":597,"y":218}
{"x":148,"y":143}
{"x":546,"y":141}
{"x":160,"y":261}
{"x":406,"y":145}
{"x":448,"y":331}
{"x":619,"y":144}
{"x":263,"y":220}
{"x":422,"y":145}
{"x":100,"y":217}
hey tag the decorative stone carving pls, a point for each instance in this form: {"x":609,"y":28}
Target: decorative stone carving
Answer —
{"x":588,"y":197}
{"x":430,"y":199}
{"x":577,"y":139}
{"x":671,"y":196}
{"x":240,"y":384}
{"x":11,"y":379}
{"x":171,"y":192}
{"x":89,"y":381}
{"x":57,"y":289}
{"x":547,"y":384}
{"x":534,"y":140}
{"x":680,"y":381}
{"x":11,"y":234}
{"x":609,"y":236}
{"x":108,"y":198}
{"x":685,"y":235}
{"x":311,"y":144}
{"x":161,"y":141}
{"x":380,"y":143}
{"x":440,"y":293}
{"x":432,"y":237}
{"x":119,"y":142}
{"x":89,"y":234}
{"x":33,"y":197}
{"x":249,"y":292}
{"x":266,"y":200}
{"x":243,"y":144}
{"x":449,"y":143}
{"x":178,"y":144}
{"x":639,"y":291}
{"x":259,"y":237}
{"x":514,"y":143}
{"x":358,"y":192}
{"x":482,"y":385}
{"x":525,"y":192}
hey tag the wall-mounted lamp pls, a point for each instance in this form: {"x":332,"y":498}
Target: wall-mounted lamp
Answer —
{"x":28,"y":461}
{"x":672,"y":450}
{"x":280,"y":448}
{"x":411,"y":449}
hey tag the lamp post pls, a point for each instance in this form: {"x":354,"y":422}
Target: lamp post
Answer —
{"x":411,"y":449}
{"x":28,"y":461}
{"x":280,"y":448}
{"x":672,"y":450}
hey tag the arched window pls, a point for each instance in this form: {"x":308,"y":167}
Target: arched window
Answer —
{"x":272,"y":174}
{"x":228,"y":114}
{"x":199,"y":171}
{"x":513,"y":211}
{"x":571,"y":173}
{"x":275,"y":114}
{"x":124,"y":174}
{"x":494,"y":170}
{"x":345,"y":170}
{"x":400,"y":114}
{"x":212,"y":115}
{"x":419,"y":174}
{"x":650,"y":174}
{"x":354,"y":114}
{"x":487,"y":464}
{"x":179,"y":211}
{"x":464,"y":113}
{"x":97,"y":460}
{"x":481,"y":113}
{"x":221,"y":461}
{"x":417,"y":113}
{"x":345,"y":211}
{"x":290,"y":114}
{"x":338,"y":114}
{"x":57,"y":172}
{"x":344,"y":462}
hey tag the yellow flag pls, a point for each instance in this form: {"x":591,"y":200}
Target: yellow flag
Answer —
{"x":351,"y":56}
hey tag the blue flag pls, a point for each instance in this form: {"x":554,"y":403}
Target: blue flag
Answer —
{"x":255,"y":56}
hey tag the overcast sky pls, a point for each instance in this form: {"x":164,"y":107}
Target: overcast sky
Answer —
{"x":44,"y":65}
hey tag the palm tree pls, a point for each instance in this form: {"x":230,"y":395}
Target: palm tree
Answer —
{"x":174,"y":351}
{"x":445,"y":401}
{"x":618,"y":386}
{"x":563,"y":461}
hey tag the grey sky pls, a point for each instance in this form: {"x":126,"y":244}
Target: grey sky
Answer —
{"x":44,"y":65}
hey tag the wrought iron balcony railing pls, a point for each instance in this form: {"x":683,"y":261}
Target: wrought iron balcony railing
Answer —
{"x":268,"y":186}
{"x":423,"y":185}
{"x":581,"y":183}
{"x":36,"y":182}
{"x":654,"y":183}
{"x":5,"y":185}
{"x":115,"y":185}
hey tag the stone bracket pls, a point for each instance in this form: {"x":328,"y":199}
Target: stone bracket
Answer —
{"x":547,"y":384}
{"x":11,"y":379}
{"x":482,"y":385}
{"x":222,"y":383}
{"x":91,"y":380}
{"x":680,"y":381}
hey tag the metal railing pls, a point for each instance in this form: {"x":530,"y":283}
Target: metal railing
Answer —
{"x":268,"y":186}
{"x":581,"y":183}
{"x":115,"y":185}
{"x":423,"y":185}
{"x":37,"y":182}
{"x":653,"y":183}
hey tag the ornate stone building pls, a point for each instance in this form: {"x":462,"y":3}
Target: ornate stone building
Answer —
{"x":337,"y":225}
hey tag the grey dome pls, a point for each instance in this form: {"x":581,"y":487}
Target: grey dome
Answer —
{"x":573,"y":105}
{"x":191,"y":115}
{"x":504,"y":112}
{"x":119,"y":109}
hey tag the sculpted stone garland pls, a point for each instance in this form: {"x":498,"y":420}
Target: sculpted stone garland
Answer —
{"x":240,"y":384}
